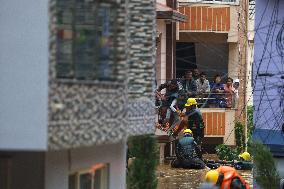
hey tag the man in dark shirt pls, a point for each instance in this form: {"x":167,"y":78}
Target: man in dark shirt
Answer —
{"x":189,"y":84}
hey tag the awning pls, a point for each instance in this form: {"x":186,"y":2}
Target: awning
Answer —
{"x":167,"y":13}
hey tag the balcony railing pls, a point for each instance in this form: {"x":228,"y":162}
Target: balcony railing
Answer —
{"x":207,"y":100}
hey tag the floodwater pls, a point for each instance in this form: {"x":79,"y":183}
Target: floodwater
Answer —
{"x":172,"y":178}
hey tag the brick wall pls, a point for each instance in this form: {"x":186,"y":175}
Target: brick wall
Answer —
{"x":206,"y":18}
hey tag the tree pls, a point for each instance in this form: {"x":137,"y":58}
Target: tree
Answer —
{"x":142,"y":172}
{"x":265,"y":171}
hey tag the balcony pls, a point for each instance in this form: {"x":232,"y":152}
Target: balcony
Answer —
{"x":219,"y":120}
{"x":205,"y":19}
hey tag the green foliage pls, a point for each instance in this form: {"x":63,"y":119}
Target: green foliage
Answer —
{"x":265,"y":171}
{"x":142,"y":172}
{"x":240,"y":136}
{"x":226,"y":153}
{"x":249,"y":122}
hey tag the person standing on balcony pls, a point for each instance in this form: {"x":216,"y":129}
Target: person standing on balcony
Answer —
{"x":217,"y":93}
{"x":229,"y":92}
{"x":236,"y":86}
{"x":195,"y":74}
{"x":195,"y":121}
{"x":189,"y":84}
{"x":202,"y":85}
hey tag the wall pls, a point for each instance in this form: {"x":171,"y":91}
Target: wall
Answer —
{"x":233,"y":64}
{"x":59,"y":164}
{"x":161,"y":27}
{"x":206,"y":18}
{"x":86,"y":113}
{"x":268,"y":58}
{"x":26,"y":169}
{"x":23,"y":74}
{"x":280,"y":165}
{"x":225,"y":119}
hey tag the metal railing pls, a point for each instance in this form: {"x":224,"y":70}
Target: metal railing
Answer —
{"x":207,"y":100}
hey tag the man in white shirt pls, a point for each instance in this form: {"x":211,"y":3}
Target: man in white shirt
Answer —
{"x":202,"y":84}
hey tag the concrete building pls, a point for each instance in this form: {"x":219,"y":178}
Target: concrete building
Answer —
{"x":167,"y":34}
{"x":215,"y":41}
{"x":216,"y":38}
{"x":268,"y":78}
{"x":76,"y":81}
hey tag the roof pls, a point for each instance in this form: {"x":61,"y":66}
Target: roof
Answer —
{"x":274,"y":139}
{"x":165,"y":12}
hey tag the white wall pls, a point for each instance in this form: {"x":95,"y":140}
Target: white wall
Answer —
{"x":161,"y":27}
{"x":23,"y":74}
{"x":58,"y":164}
{"x":280,"y":166}
{"x":233,"y":65}
{"x":164,"y":2}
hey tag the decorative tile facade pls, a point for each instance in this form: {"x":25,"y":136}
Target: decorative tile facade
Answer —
{"x":93,"y":112}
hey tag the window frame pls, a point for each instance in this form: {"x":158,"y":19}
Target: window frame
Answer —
{"x":104,"y":178}
{"x":73,"y":26}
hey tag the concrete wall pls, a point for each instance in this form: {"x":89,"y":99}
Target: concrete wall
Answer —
{"x":234,"y":21}
{"x":23,"y":74}
{"x":280,"y":166}
{"x":233,"y":64}
{"x":59,"y":164}
{"x":161,"y":28}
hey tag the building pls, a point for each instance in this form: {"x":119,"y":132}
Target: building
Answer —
{"x":167,"y":34}
{"x":76,"y":81}
{"x":215,"y":40}
{"x":268,"y":78}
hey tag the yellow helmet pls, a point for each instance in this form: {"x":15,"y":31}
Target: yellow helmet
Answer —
{"x":245,"y":156}
{"x":190,"y":102}
{"x":187,"y":131}
{"x":212,"y":176}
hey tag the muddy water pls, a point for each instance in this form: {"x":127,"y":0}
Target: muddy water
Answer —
{"x":169,"y":178}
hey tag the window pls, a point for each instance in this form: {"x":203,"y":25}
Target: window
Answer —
{"x":94,"y":178}
{"x":85,"y":39}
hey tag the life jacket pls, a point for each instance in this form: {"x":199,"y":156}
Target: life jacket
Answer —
{"x":186,"y":148}
{"x":229,"y":174}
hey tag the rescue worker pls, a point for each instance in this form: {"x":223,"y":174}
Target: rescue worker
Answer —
{"x":170,"y":102}
{"x":186,"y":153}
{"x":244,"y":163}
{"x":226,"y":177}
{"x":195,"y":121}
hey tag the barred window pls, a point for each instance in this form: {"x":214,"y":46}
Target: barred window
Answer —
{"x":97,"y":177}
{"x":85,"y":39}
